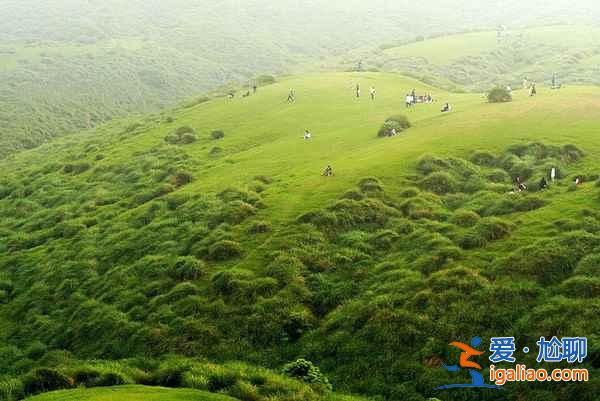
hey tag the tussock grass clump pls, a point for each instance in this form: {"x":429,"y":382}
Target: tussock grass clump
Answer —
{"x":217,"y":134}
{"x":224,"y":250}
{"x":483,"y":158}
{"x":45,"y":379}
{"x":260,"y":227}
{"x":397,"y":122}
{"x":499,"y":95}
{"x":485,"y":230}
{"x":370,"y":185}
{"x":465,"y":218}
{"x":439,"y":183}
{"x":182,"y":136}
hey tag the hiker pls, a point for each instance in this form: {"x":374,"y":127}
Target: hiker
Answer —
{"x":414,"y":95}
{"x":230,"y":95}
{"x":291,"y":96}
{"x":532,"y":90}
{"x":393,"y":132}
{"x":307,"y":134}
{"x":520,"y":186}
{"x":409,"y":100}
{"x":508,"y":88}
{"x":429,"y":98}
{"x":543,"y":183}
{"x":525,"y":83}
{"x":578,"y":181}
{"x":328,"y":172}
{"x":372,"y":92}
{"x":357,"y":91}
{"x":553,"y":174}
{"x":246,"y":94}
{"x":254,"y":88}
{"x":446,"y":108}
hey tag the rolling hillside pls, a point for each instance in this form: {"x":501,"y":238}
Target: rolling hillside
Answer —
{"x":479,"y":60}
{"x":208,"y":232}
{"x":67,"y":65}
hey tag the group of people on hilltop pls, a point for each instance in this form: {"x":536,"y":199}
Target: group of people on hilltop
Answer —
{"x":411,"y":98}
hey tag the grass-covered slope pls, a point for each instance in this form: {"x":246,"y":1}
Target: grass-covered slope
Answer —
{"x":479,"y":60}
{"x":131,"y":393}
{"x":159,"y":236}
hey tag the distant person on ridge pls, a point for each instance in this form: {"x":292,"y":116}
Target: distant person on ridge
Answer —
{"x":543,"y":183}
{"x":357,"y":91}
{"x":372,"y":92}
{"x":409,"y":100}
{"x":446,"y":108}
{"x":307,"y":134}
{"x":291,"y":96}
{"x":254,"y":88}
{"x":532,"y":90}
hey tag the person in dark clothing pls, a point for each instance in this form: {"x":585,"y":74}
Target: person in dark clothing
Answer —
{"x":446,"y":108}
{"x":328,"y":172}
{"x":543,"y":183}
{"x":254,"y":88}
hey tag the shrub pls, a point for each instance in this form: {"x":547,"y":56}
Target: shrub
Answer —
{"x":215,"y":151}
{"x":370,"y":184}
{"x":224,"y":250}
{"x":86,"y":376}
{"x":44,"y":379}
{"x":465,"y":218}
{"x":11,"y":390}
{"x":182,"y":178}
{"x":482,"y":158}
{"x":398,"y":122}
{"x":263,"y":80}
{"x":217,"y":134}
{"x":77,"y":168}
{"x":260,"y":227}
{"x":182,"y":136}
{"x":440,"y":183}
{"x":187,"y":268}
{"x":306,"y":371}
{"x":109,"y":379}
{"x":499,"y":95}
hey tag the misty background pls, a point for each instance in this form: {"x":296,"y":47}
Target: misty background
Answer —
{"x":67,"y":65}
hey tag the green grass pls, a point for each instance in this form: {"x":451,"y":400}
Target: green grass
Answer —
{"x":131,"y":393}
{"x":116,"y":244}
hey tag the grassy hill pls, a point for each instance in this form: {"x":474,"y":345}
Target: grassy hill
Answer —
{"x":479,"y":60}
{"x":131,"y":393}
{"x":67,"y":65}
{"x":150,"y":237}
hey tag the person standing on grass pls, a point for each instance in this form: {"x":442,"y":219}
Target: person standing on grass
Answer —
{"x":532,"y":90}
{"x":372,"y":92}
{"x":357,"y":91}
{"x":291,"y":96}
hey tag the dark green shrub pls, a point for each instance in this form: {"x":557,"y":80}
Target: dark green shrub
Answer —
{"x":224,"y":250}
{"x":182,"y":136}
{"x":182,"y":178}
{"x":221,"y":379}
{"x":86,"y":376}
{"x":353,"y":194}
{"x":306,"y":371}
{"x":109,"y":379}
{"x":217,"y":134}
{"x":77,"y":168}
{"x":439,"y":182}
{"x":187,"y":268}
{"x":483,"y":158}
{"x":398,"y":122}
{"x":370,"y":185}
{"x":465,"y":218}
{"x":43,"y":380}
{"x":581,"y":287}
{"x":498,"y":176}
{"x":260,"y":227}
{"x":499,"y":95}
